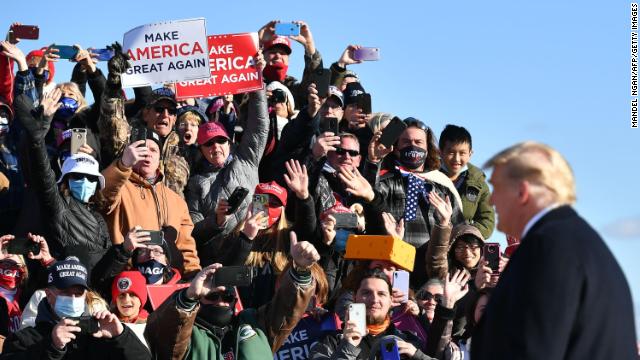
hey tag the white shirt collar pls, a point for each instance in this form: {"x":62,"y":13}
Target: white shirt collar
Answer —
{"x":534,"y":219}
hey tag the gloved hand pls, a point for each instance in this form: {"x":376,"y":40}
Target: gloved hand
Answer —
{"x":117,"y":65}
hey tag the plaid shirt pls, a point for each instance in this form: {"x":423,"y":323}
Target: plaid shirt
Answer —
{"x":26,"y":84}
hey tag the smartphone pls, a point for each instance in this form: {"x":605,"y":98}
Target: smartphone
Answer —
{"x":357,"y":314}
{"x":345,"y":220}
{"x":329,"y":124}
{"x":389,"y":349}
{"x":401,"y":282}
{"x":87,"y":324}
{"x":287,"y":29}
{"x":392,"y":132}
{"x":22,"y":246}
{"x":66,"y":51}
{"x":103,"y":54}
{"x":492,"y":255}
{"x":157,"y":237}
{"x":138,"y":134}
{"x":364,"y":103}
{"x":78,"y":138}
{"x":233,"y":276}
{"x":367,"y":54}
{"x":322,"y":79}
{"x":260,"y":202}
{"x":26,"y":32}
{"x":236,"y":198}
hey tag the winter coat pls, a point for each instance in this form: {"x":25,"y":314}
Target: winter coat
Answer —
{"x":69,"y":221}
{"x":35,"y":343}
{"x":336,"y":347}
{"x":241,"y":169}
{"x":175,"y":332}
{"x":133,"y":201}
{"x":476,"y":206}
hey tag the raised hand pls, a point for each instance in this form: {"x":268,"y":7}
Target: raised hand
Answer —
{"x":328,"y":229}
{"x":201,"y":285}
{"x":110,"y":326}
{"x":393,"y":227}
{"x":134,"y":153}
{"x":313,"y":101}
{"x":297,"y":179}
{"x":377,"y":151}
{"x":267,"y":31}
{"x":304,"y":254}
{"x":347,"y":56}
{"x":13,"y":52}
{"x":260,"y":62}
{"x":443,"y":207}
{"x":222,"y":212}
{"x":305,"y":38}
{"x":351,"y":334}
{"x":324,"y":143}
{"x":64,"y":332}
{"x":455,"y":288}
{"x":356,"y":184}
{"x":136,"y":239}
{"x":44,"y":256}
{"x":254,"y":223}
{"x":84,"y":58}
{"x":50,"y":55}
{"x":51,"y":103}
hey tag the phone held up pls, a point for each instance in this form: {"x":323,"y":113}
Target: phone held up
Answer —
{"x":287,"y":29}
{"x":491,"y":253}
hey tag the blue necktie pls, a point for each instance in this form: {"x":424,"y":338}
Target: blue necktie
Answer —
{"x":415,"y":188}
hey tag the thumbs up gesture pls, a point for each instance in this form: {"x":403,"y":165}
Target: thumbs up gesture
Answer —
{"x":304,"y":254}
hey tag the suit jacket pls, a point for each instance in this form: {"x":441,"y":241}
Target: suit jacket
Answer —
{"x":562,"y":296}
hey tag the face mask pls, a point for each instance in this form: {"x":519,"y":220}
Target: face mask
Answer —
{"x":413,"y":157}
{"x":274,"y":215}
{"x":153,"y":270}
{"x":82,"y":189}
{"x":4,"y":125}
{"x":219,"y":316}
{"x":10,"y":275}
{"x":68,"y":108}
{"x":69,"y":306}
{"x":275,"y":72}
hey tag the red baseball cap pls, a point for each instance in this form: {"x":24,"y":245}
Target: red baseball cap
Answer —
{"x":130,"y":282}
{"x":279,"y":41}
{"x":272,"y":188}
{"x":209,"y":130}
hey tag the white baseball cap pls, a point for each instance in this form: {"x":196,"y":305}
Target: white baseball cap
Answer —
{"x":81,"y":163}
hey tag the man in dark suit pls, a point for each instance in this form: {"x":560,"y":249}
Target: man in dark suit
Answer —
{"x":562,"y":295}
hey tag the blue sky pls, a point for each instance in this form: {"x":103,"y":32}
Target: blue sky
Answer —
{"x":508,"y":71}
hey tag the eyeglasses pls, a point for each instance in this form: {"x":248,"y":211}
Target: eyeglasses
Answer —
{"x":352,"y":153}
{"x":427,"y":296}
{"x":216,"y":140}
{"x":413,"y":122}
{"x":465,"y":247}
{"x":152,"y":251}
{"x":80,"y":176}
{"x":160,"y":109}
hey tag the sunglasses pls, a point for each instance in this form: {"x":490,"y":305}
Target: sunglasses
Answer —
{"x":216,"y":140}
{"x":427,"y":296}
{"x":160,"y":109}
{"x":352,"y":153}
{"x":79,"y":176}
{"x":227,"y":297}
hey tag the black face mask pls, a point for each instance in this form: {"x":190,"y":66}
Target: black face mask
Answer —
{"x":413,"y":157}
{"x":219,"y":316}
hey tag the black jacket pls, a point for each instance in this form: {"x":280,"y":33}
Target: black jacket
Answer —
{"x":35,"y":343}
{"x":70,"y":222}
{"x":561,"y":296}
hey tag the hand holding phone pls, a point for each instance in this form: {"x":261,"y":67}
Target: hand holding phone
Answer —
{"x":236,"y":198}
{"x":102,"y":54}
{"x":364,"y":103}
{"x":87,"y":324}
{"x":260,"y":204}
{"x":345,"y":220}
{"x":229,"y":276}
{"x":138,"y":134}
{"x":78,"y":138}
{"x":322,"y":79}
{"x":23,"y":246}
{"x":157,"y":237}
{"x":392,"y":132}
{"x":401,"y":283}
{"x":389,"y":349}
{"x":357,"y":313}
{"x":491,"y":253}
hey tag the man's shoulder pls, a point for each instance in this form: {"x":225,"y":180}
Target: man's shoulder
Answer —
{"x":26,"y":338}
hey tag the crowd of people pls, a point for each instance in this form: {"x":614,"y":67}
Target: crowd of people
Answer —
{"x":154,"y":167}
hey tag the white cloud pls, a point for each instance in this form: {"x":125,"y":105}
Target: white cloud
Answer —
{"x":628,"y":228}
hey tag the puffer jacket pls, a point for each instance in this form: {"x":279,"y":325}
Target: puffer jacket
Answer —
{"x":174,"y":332}
{"x":70,"y":222}
{"x":476,"y":206}
{"x":133,"y":201}
{"x":241,"y":169}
